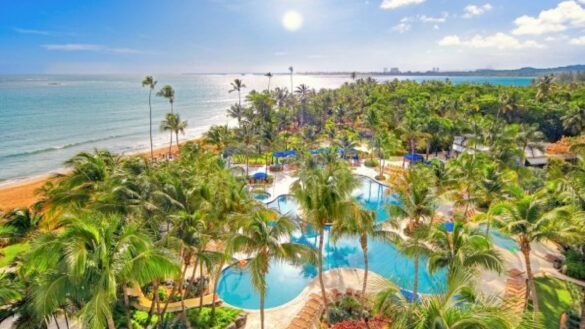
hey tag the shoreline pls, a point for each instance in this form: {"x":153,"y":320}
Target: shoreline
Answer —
{"x":22,"y":192}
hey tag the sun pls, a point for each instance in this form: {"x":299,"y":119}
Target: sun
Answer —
{"x":292,"y":20}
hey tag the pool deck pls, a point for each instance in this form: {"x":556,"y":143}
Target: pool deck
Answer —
{"x":488,"y":283}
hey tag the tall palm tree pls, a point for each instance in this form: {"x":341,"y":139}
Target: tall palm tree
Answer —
{"x":169,"y":93}
{"x":464,"y":248}
{"x":362,"y":224}
{"x":150,"y":83}
{"x":262,"y":239}
{"x":416,"y":193}
{"x":237,"y":85}
{"x":291,"y":70}
{"x":269,"y":76}
{"x":246,"y":138}
{"x":174,"y":125}
{"x":528,"y":218}
{"x":324,"y":196}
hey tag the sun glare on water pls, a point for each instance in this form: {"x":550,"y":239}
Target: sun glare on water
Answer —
{"x":292,"y":20}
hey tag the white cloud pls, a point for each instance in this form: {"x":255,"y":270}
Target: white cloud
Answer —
{"x":30,"y":31}
{"x":429,"y":19}
{"x":567,"y":14}
{"x":578,"y":41}
{"x":499,"y":40}
{"x":450,"y":40}
{"x":393,"y":4}
{"x":473,"y":10}
{"x":402,"y":27}
{"x":91,"y":47}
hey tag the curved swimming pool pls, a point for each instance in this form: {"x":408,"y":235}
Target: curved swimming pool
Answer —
{"x":285,"y":281}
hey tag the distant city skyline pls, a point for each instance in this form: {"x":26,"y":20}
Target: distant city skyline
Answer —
{"x":232,"y":36}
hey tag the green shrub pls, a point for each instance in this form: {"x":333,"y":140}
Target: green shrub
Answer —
{"x":223,"y":317}
{"x":574,"y":264}
{"x":371,"y":163}
{"x":162,"y":294}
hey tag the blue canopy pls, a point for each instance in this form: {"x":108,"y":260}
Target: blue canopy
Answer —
{"x":260,"y":175}
{"x":448,"y":226}
{"x":284,"y":154}
{"x":414,"y":157}
{"x":317,"y":151}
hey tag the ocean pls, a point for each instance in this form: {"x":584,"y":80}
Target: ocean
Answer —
{"x":46,"y":119}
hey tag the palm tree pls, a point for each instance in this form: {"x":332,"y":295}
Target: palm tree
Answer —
{"x":238,"y":85}
{"x":291,"y":69}
{"x":218,"y":136}
{"x":544,"y":86}
{"x":173,"y":124}
{"x":262,"y":239}
{"x":269,"y":76}
{"x":574,"y":120}
{"x":462,"y":248}
{"x":362,"y":224}
{"x":247,"y":138}
{"x":324,"y":197}
{"x":458,"y":307}
{"x":89,"y":260}
{"x":151,"y":83}
{"x":529,"y":136}
{"x":169,"y":93}
{"x":416,"y":193}
{"x":237,"y":112}
{"x":528,"y":218}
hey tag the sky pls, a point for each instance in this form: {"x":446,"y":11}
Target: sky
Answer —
{"x":236,"y":36}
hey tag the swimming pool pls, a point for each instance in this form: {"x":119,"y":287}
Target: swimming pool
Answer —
{"x":285,"y":281}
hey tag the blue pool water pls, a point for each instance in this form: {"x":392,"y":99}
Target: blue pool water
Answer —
{"x":285,"y":281}
{"x":501,"y":240}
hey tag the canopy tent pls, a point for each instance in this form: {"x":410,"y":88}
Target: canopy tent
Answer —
{"x":260,"y":175}
{"x":284,"y":154}
{"x":412,"y":157}
{"x":449,"y":226}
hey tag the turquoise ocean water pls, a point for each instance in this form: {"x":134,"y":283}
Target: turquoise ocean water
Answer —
{"x":46,"y":119}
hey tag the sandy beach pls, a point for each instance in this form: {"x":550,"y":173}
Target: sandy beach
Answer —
{"x":24,"y":193}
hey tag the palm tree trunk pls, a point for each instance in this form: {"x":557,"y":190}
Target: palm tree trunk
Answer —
{"x":150,"y":123}
{"x":261,"y":310}
{"x":177,"y":139}
{"x":127,"y":305}
{"x":428,"y":150}
{"x":171,"y":144}
{"x":530,"y":286}
{"x":56,"y":322}
{"x":320,"y":260}
{"x":182,"y":291}
{"x":201,"y":276}
{"x":215,"y":282}
{"x":66,"y":318}
{"x":415,"y":288}
{"x":247,"y":163}
{"x":110,"y":320}
{"x":364,"y":242}
{"x":164,"y":310}
{"x":154,"y":302}
{"x":582,"y":322}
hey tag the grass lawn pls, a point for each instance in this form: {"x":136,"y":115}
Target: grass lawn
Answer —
{"x":555,"y":298}
{"x":10,"y":252}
